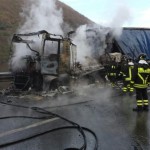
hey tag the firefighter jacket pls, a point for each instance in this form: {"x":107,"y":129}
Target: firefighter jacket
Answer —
{"x":127,"y":70}
{"x":141,"y":74}
{"x":123,"y":69}
{"x":111,"y":69}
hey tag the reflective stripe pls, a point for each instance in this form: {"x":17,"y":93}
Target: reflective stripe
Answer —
{"x":141,"y":70}
{"x":139,"y":104}
{"x":139,"y":101}
{"x":140,"y":85}
{"x":128,"y":85}
{"x":145,"y":100}
{"x":129,"y":79}
{"x":131,"y":90}
{"x":121,"y":72}
{"x":124,"y":88}
{"x":146,"y":80}
{"x":141,"y":78}
{"x":132,"y":81}
{"x":112,"y":74}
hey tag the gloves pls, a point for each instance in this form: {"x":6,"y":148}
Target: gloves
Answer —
{"x":106,"y":77}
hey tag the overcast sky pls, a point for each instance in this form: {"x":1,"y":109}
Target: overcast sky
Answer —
{"x":136,"y":13}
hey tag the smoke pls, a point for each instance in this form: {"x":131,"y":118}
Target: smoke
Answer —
{"x":83,"y":48}
{"x":38,"y":15}
{"x":93,"y":40}
{"x":17,"y":61}
{"x":122,"y":16}
{"x":91,"y":43}
{"x":82,"y":93}
{"x":42,"y":15}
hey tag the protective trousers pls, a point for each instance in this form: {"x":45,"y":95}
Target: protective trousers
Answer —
{"x":112,"y":80}
{"x":141,"y":97}
{"x":127,"y":87}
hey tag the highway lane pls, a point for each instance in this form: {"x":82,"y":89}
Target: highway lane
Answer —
{"x":106,"y":112}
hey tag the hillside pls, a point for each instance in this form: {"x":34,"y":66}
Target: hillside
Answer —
{"x":10,"y":20}
{"x":72,"y":17}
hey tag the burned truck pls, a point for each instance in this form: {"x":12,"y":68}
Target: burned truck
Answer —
{"x":47,"y":65}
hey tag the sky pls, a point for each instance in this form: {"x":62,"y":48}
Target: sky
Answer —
{"x":135,"y":13}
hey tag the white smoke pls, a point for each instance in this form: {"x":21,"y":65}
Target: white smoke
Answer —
{"x":91,"y":43}
{"x":18,"y":61}
{"x":42,"y":15}
{"x":122,"y":16}
{"x":103,"y":35}
{"x":83,"y":48}
{"x":38,"y":15}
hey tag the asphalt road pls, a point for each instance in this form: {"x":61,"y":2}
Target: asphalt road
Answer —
{"x":104,"y":111}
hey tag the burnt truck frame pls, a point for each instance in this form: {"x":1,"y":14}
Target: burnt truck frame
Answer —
{"x":53,"y":68}
{"x":53,"y":65}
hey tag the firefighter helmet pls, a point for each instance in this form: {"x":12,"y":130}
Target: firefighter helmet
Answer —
{"x":124,"y":58}
{"x":142,"y":56}
{"x":129,"y":59}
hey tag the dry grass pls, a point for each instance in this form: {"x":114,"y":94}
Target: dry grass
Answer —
{"x":9,"y":20}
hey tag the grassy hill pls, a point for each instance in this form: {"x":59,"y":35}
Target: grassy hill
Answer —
{"x":10,"y":20}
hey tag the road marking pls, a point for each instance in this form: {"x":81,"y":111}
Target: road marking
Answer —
{"x":27,"y":127}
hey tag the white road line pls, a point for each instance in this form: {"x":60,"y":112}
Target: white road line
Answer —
{"x":27,"y":127}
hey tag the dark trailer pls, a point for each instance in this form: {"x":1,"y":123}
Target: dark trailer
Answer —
{"x":132,"y":42}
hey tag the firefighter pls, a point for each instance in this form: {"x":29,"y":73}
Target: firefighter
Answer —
{"x":141,"y":78}
{"x":130,"y":73}
{"x":123,"y":72}
{"x":111,"y":70}
{"x":127,"y":71}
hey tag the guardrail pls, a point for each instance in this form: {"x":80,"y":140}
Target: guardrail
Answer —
{"x":6,"y":76}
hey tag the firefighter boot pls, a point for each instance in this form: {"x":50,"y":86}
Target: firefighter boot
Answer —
{"x":138,"y":108}
{"x":145,"y":108}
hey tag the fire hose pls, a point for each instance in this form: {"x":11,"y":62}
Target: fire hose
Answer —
{"x":48,"y":116}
